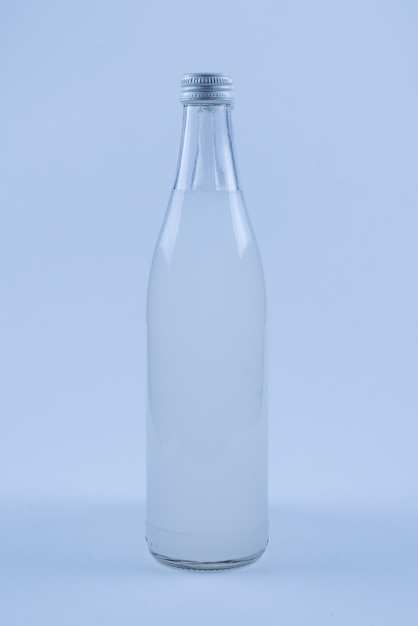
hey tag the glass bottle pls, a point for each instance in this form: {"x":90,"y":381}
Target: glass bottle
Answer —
{"x":206,"y":415}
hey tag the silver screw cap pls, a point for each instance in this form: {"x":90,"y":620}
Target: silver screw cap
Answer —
{"x":203,"y":89}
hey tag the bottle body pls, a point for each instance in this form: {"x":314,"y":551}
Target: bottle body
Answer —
{"x":207,"y":413}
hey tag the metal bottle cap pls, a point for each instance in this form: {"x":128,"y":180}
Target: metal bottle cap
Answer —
{"x":204,"y":89}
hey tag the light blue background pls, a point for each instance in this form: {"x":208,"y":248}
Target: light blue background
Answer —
{"x":326,"y":128}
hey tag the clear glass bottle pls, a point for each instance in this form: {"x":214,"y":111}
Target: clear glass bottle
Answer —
{"x":206,"y":418}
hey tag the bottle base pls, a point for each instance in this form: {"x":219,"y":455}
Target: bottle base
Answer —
{"x":208,"y":566}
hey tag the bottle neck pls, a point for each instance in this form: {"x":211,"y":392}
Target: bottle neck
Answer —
{"x":207,"y":161}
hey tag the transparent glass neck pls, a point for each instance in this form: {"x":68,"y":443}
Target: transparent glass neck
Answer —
{"x":206,"y":160}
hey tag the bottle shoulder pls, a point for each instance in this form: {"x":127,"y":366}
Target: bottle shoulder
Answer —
{"x":214,"y":223}
{"x":207,"y":251}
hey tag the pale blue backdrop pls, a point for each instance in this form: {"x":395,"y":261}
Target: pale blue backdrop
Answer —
{"x":326,"y":128}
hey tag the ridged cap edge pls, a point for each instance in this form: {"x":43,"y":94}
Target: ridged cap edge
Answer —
{"x":206,"y":88}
